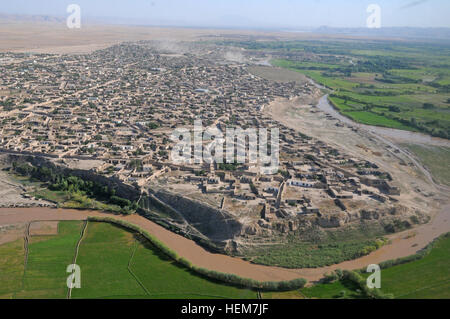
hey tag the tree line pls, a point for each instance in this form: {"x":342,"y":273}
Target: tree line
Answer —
{"x":58,"y":181}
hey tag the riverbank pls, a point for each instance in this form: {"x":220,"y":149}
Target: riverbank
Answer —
{"x":403,"y":244}
{"x":399,"y":135}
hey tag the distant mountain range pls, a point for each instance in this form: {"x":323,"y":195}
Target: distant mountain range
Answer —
{"x":391,"y":32}
{"x":30,"y":18}
{"x":412,"y":33}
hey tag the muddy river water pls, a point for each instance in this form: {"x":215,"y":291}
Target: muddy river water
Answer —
{"x":403,"y":244}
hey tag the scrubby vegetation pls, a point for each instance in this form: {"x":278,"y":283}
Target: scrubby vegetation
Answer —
{"x":422,"y":275}
{"x":318,"y":249}
{"x":435,"y":158}
{"x":74,"y":192}
{"x":311,"y":256}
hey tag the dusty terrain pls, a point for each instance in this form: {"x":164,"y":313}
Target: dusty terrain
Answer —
{"x":11,"y":232}
{"x":55,"y":37}
{"x":300,"y":114}
{"x":12,"y":193}
{"x":22,"y":34}
{"x":278,"y":74}
{"x":43,"y":228}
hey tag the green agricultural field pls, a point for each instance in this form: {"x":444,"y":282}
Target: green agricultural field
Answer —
{"x":370,"y":118}
{"x":131,"y":268}
{"x":425,"y":278}
{"x":48,"y":257}
{"x":428,"y":277}
{"x":398,"y":85}
{"x":12,"y":256}
{"x":153,"y":268}
{"x":114,"y":264}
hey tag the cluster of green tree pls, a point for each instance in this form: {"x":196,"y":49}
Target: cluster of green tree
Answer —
{"x":428,"y":106}
{"x":228,"y":166}
{"x":376,"y":245}
{"x":360,"y":281}
{"x":384,"y":93}
{"x":441,"y":88}
{"x":75,"y":185}
{"x":443,"y":132}
{"x":200,"y":173}
{"x":229,"y":279}
{"x":357,"y":280}
{"x":254,"y":189}
{"x":317,"y":47}
{"x":311,"y":255}
{"x":284,"y":173}
{"x":394,"y":108}
{"x":395,"y":79}
{"x":136,"y":164}
{"x":138,"y":152}
{"x":85,"y":149}
{"x":377,"y":64}
{"x":397,"y":225}
{"x":7,"y":102}
{"x":152,"y":125}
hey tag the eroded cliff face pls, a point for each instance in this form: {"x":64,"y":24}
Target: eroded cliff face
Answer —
{"x":218,"y":225}
{"x":230,"y":233}
{"x":123,"y":190}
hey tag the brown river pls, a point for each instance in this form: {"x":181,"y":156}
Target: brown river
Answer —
{"x":403,"y":244}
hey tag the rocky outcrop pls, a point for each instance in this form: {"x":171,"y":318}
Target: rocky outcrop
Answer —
{"x":218,"y":225}
{"x":331,"y":221}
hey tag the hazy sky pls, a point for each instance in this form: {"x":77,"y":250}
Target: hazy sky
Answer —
{"x":246,"y":13}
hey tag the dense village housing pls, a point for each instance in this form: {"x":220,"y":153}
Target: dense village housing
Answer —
{"x":118,"y":106}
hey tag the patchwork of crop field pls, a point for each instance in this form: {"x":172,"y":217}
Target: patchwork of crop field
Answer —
{"x":114,"y":263}
{"x":397,"y":85}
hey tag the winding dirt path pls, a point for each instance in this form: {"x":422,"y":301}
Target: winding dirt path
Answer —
{"x":403,"y":244}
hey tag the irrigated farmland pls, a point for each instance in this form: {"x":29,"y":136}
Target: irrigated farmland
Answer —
{"x":114,"y":264}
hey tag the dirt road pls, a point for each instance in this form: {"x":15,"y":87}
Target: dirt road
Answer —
{"x":403,"y":244}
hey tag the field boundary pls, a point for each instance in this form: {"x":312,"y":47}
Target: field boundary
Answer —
{"x":131,"y":271}
{"x":26,"y":239}
{"x":169,"y":294}
{"x":423,"y":288}
{"x":83,"y":231}
{"x":230,"y":279}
